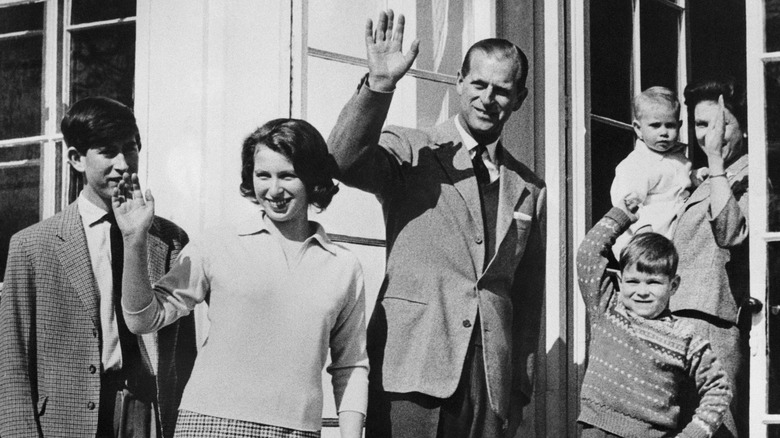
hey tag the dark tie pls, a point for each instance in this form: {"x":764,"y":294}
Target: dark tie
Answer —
{"x":131,"y":354}
{"x":483,"y":176}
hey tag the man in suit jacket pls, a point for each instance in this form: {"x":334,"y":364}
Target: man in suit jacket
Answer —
{"x":68,"y":367}
{"x":454,"y":332}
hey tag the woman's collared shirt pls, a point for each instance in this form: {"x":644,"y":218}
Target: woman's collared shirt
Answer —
{"x":272,"y":323}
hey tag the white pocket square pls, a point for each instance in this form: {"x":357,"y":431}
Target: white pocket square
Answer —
{"x":521,"y":216}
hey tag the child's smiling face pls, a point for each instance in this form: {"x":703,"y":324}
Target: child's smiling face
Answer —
{"x":646,"y":294}
{"x":658,"y":126}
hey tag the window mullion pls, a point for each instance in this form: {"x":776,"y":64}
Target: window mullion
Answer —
{"x":50,"y":104}
{"x":682,"y":65}
{"x":757,"y":212}
{"x":636,"y":83}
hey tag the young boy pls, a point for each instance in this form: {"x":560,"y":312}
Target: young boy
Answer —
{"x":641,"y":358}
{"x":68,"y":364}
{"x":656,"y":170}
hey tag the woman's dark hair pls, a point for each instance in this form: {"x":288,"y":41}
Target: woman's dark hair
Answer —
{"x":709,"y":89}
{"x":95,"y":122}
{"x":304,"y":146}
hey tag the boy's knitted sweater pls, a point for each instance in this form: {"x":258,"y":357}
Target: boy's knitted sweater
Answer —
{"x":638,"y":367}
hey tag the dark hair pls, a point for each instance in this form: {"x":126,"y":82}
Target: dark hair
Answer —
{"x":709,"y":89}
{"x":652,"y":253}
{"x":496,"y":47}
{"x":94,"y":122}
{"x":304,"y":146}
{"x":657,"y":95}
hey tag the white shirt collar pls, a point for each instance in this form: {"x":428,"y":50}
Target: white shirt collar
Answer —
{"x":470,"y":143}
{"x":90,"y":213}
{"x":256,"y":224}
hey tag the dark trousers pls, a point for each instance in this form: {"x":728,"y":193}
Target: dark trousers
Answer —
{"x":465,"y":414}
{"x":126,"y":412}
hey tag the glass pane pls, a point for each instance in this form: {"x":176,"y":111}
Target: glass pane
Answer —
{"x":19,"y":193}
{"x":610,"y":59}
{"x":103,"y":63}
{"x":772,"y":82}
{"x":87,"y":11}
{"x":716,"y":39}
{"x":716,"y":45}
{"x":23,"y":17}
{"x":659,"y":35}
{"x":609,"y":146}
{"x":772,"y":29}
{"x":21,"y":76}
{"x":773,"y":326}
{"x":439,"y":29}
{"x":773,"y":431}
{"x":325,"y":99}
{"x":351,"y":17}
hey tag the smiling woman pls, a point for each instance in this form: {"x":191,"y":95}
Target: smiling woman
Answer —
{"x":281,"y":296}
{"x":285,"y":168}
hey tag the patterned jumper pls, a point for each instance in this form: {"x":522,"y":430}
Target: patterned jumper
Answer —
{"x":638,"y":367}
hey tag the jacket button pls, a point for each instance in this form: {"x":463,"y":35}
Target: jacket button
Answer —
{"x":466,"y":323}
{"x":478,"y":239}
{"x":90,"y":406}
{"x":92,"y":369}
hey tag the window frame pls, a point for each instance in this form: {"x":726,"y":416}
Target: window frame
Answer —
{"x":56,"y":188}
{"x":579,"y":151}
{"x":759,"y":236}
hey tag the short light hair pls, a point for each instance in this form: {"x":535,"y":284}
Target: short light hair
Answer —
{"x":651,"y":253}
{"x":656,"y":95}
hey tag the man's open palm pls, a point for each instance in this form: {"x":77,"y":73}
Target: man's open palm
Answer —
{"x":387,"y":64}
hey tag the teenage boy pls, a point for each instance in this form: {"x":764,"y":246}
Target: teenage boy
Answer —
{"x":657,"y":170}
{"x":68,"y":364}
{"x":641,"y":358}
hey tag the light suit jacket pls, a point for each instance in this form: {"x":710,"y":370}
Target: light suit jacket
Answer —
{"x":50,"y":337}
{"x":436,"y":279}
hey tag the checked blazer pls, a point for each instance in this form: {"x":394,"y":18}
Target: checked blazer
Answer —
{"x":437,"y":279}
{"x":50,"y":337}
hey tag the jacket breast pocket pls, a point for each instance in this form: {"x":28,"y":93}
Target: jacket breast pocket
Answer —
{"x":523,"y":225}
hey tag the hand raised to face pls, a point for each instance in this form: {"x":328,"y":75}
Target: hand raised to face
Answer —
{"x":134,"y":212}
{"x":716,"y":131}
{"x":387,"y":64}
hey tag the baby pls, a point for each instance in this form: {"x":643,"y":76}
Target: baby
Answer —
{"x":657,"y":171}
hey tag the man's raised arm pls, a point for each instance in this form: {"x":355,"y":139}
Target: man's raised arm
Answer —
{"x":354,"y":139}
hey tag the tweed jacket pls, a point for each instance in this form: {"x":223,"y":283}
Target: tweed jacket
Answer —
{"x":50,"y":338}
{"x":436,"y":278}
{"x":713,"y":251}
